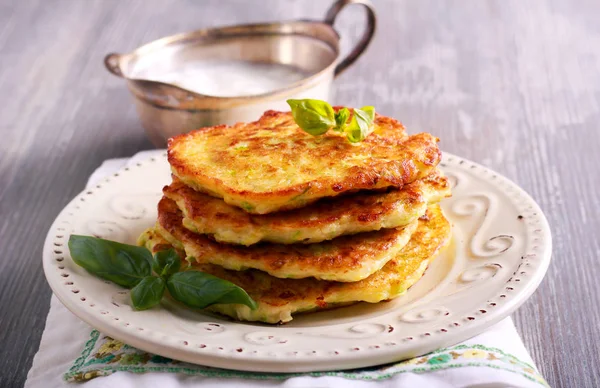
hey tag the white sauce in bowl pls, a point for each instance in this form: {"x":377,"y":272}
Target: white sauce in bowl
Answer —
{"x":229,"y":78}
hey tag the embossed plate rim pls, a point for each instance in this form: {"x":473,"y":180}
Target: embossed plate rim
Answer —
{"x":330,"y":353}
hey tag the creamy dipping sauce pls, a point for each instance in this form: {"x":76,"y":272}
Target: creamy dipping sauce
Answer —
{"x":231,"y":78}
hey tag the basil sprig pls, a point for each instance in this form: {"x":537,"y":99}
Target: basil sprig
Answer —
{"x":131,"y":267}
{"x":317,"y":117}
{"x":165,"y":263}
{"x":341,"y":118}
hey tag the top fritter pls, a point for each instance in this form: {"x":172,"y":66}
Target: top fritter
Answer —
{"x":271,"y":164}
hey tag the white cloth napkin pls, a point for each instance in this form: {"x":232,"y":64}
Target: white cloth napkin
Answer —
{"x":496,"y":358}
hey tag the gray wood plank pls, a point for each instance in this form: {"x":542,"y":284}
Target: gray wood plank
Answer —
{"x":513,"y":85}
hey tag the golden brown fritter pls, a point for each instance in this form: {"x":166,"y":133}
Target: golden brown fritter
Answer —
{"x":323,"y":220}
{"x":278,"y":298}
{"x":344,"y":259}
{"x":272,"y":165}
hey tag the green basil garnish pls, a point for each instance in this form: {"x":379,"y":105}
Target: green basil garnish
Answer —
{"x":313,"y":116}
{"x":148,"y":292}
{"x":317,"y":117}
{"x":123,"y":264}
{"x":199,"y":290}
{"x":131,"y":267}
{"x":341,"y":117}
{"x":165,"y":263}
{"x":361,"y":124}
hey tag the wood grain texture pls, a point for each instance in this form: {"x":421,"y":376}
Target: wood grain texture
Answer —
{"x":510,"y":84}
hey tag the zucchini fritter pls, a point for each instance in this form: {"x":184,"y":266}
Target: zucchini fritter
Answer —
{"x":323,"y":220}
{"x":272,"y":165}
{"x":344,"y":259}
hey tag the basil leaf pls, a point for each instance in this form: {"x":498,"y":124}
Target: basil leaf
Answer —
{"x":148,"y":292}
{"x":199,"y":290}
{"x":165,"y":263}
{"x":341,"y":117}
{"x":123,"y":264}
{"x":313,"y":116}
{"x":361,"y":124}
{"x":370,"y":111}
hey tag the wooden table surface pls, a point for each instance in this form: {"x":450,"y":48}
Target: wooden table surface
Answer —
{"x":513,"y":85}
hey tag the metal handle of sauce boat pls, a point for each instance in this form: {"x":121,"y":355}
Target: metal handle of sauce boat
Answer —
{"x":364,"y":41}
{"x":111,"y":61}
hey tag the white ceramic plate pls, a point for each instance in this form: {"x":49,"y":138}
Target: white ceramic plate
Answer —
{"x":499,"y":254}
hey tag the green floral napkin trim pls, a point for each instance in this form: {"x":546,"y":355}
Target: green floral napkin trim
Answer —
{"x":102,"y":356}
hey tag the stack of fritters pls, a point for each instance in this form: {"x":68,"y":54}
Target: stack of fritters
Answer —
{"x":301,"y":222}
